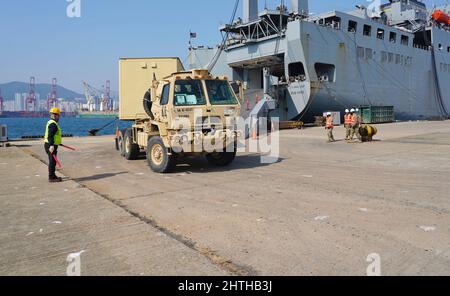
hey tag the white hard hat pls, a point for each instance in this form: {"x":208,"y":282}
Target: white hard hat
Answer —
{"x":328,"y":113}
{"x":357,"y":110}
{"x":352,"y":111}
{"x":347,"y":111}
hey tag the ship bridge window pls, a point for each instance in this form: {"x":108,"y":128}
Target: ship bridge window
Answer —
{"x":325,"y":72}
{"x":352,"y":26}
{"x":405,"y":40}
{"x":297,"y":71}
{"x":440,"y":46}
{"x":367,"y":30}
{"x":380,"y":34}
{"x":393,"y":37}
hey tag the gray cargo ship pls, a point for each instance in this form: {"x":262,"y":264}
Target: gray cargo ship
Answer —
{"x":395,"y":54}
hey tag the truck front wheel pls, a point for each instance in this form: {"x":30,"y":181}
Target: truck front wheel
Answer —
{"x":131,"y":150}
{"x":158,"y":157}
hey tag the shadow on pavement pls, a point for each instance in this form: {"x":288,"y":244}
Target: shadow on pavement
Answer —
{"x":98,"y":177}
{"x":199,"y":164}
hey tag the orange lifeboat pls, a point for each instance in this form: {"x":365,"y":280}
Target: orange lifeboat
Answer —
{"x":441,"y":17}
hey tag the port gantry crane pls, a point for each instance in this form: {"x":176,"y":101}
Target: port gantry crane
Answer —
{"x":52,"y":98}
{"x":31,"y":98}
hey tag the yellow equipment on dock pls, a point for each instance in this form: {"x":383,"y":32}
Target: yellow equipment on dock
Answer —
{"x":367,"y":133}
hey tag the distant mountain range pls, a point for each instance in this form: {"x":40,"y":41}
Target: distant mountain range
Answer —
{"x":10,"y":89}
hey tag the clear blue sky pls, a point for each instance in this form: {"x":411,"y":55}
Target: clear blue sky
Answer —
{"x":38,"y":39}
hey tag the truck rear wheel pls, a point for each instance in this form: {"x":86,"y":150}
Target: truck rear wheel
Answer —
{"x":131,"y":150}
{"x":221,"y":158}
{"x":158,"y":156}
{"x":120,"y":143}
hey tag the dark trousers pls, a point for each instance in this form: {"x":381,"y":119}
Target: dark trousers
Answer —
{"x":51,"y":161}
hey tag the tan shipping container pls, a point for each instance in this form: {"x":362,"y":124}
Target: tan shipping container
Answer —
{"x":135,"y":78}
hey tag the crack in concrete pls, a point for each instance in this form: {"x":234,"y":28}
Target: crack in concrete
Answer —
{"x":155,"y":194}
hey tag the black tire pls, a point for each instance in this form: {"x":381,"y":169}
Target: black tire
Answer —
{"x":158,"y":157}
{"x":148,"y":104}
{"x":120,"y":143}
{"x":131,"y":150}
{"x":221,"y":159}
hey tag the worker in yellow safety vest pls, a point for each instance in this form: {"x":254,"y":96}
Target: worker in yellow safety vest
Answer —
{"x":329,"y":126}
{"x":53,"y":139}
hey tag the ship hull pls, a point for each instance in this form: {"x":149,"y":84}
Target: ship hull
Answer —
{"x":317,"y":68}
{"x":368,"y":72}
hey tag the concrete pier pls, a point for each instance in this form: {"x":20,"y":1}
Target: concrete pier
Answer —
{"x":321,"y":210}
{"x":42,"y":224}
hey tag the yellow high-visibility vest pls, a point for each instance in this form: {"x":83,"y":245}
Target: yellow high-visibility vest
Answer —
{"x":57,"y":139}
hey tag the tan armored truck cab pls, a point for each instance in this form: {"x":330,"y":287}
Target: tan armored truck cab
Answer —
{"x":183,"y":113}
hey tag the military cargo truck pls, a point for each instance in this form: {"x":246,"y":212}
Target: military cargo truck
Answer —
{"x":176,"y":113}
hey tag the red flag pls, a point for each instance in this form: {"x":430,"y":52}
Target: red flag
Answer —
{"x":57,"y":161}
{"x":68,"y":147}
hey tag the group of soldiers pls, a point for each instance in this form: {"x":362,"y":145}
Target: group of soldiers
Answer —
{"x":352,"y":123}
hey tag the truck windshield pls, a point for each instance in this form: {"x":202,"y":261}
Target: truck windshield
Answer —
{"x":220,"y":92}
{"x":189,"y":93}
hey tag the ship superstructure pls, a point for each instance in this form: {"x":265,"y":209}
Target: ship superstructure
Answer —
{"x":395,"y":54}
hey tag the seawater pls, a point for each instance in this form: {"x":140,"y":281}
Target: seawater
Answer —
{"x":20,"y":127}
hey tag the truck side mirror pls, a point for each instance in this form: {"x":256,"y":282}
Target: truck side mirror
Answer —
{"x":238,"y":89}
{"x":154,"y":89}
{"x":154,"y":96}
